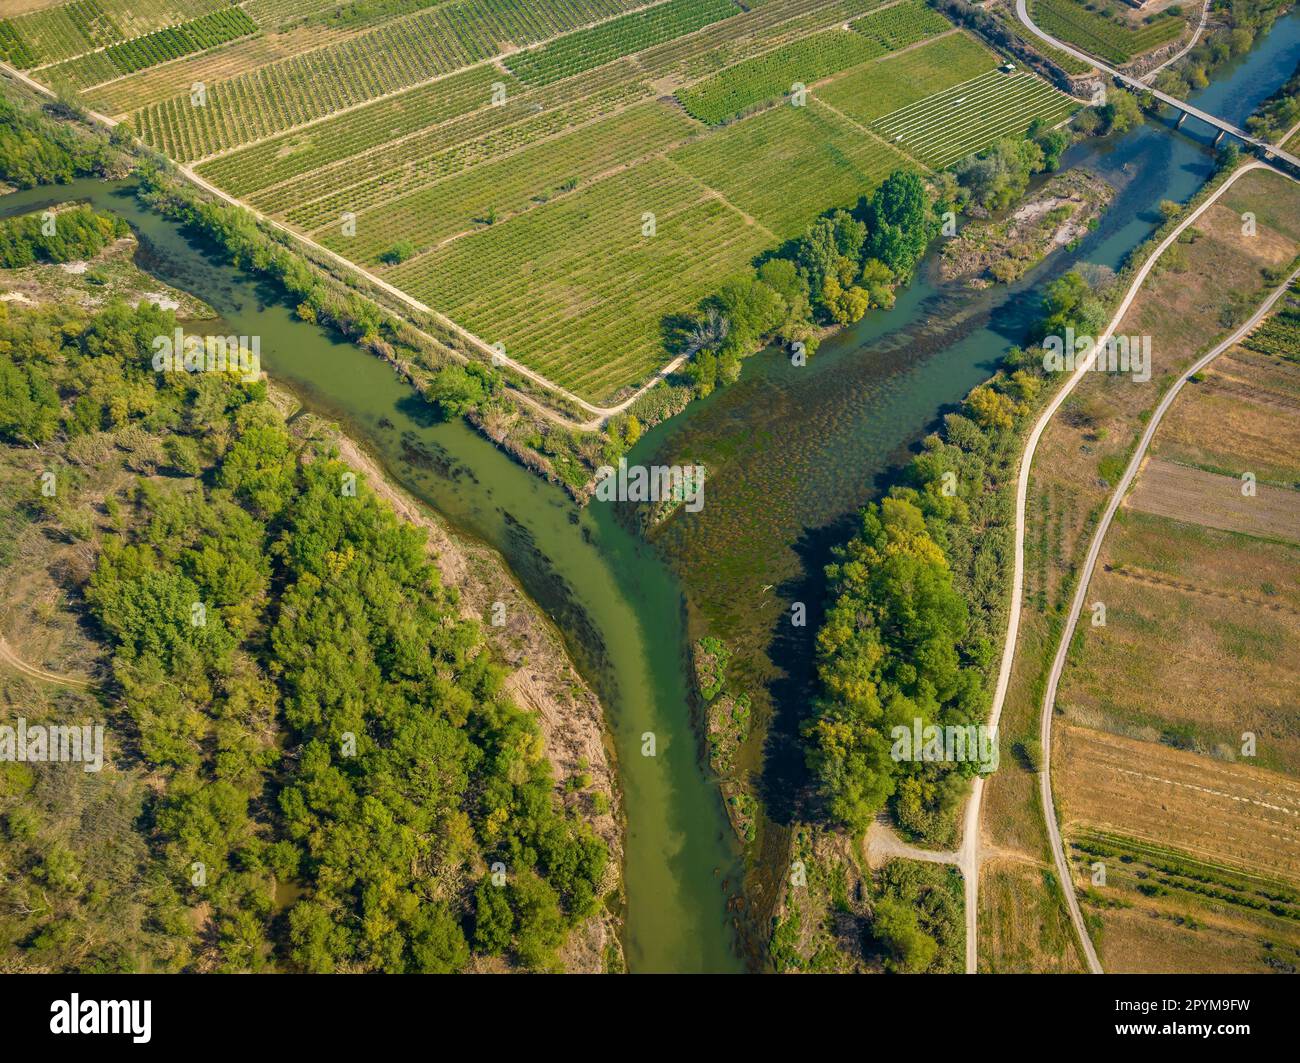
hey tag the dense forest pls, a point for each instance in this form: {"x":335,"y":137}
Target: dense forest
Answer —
{"x":57,"y":236}
{"x":336,"y":779}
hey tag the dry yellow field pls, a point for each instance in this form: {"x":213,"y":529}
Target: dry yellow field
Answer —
{"x":1217,"y":501}
{"x":1233,"y":814}
{"x":1202,"y":623}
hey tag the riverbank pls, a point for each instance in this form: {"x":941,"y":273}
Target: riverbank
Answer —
{"x":542,"y":679}
{"x":793,"y":454}
{"x":1000,"y":250}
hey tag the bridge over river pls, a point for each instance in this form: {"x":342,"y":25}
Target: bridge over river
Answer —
{"x":1269,"y":152}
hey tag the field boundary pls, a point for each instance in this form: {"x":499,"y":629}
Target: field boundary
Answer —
{"x":1099,"y":535}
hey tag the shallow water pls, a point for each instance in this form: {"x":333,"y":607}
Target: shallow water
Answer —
{"x":792,"y":453}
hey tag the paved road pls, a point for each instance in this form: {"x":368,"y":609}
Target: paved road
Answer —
{"x":1138,"y":86}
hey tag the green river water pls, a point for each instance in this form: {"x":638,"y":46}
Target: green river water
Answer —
{"x":791,"y":453}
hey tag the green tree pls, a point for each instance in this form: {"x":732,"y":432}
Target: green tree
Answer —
{"x":494,"y":921}
{"x":895,"y":926}
{"x":29,"y":405}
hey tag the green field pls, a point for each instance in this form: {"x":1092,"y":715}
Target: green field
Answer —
{"x":513,"y":184}
{"x":767,"y":78}
{"x":866,"y":93}
{"x":949,"y":125}
{"x":902,"y":24}
{"x":786,"y":166}
{"x":632,"y":33}
{"x":81,"y":26}
{"x":494,"y":159}
{"x":1112,"y":38}
{"x":209,"y":31}
{"x":575,"y":290}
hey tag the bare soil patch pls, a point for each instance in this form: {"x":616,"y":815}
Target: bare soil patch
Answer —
{"x":1190,"y":494}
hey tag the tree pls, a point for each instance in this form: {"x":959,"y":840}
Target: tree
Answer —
{"x":878,"y":281}
{"x":1000,"y":174}
{"x":991,"y":409}
{"x":753,"y":310}
{"x":1120,"y":112}
{"x":456,"y":390}
{"x":436,"y":941}
{"x":29,"y":405}
{"x":894,"y":924}
{"x":1069,"y":303}
{"x":844,"y":305}
{"x":900,"y":222}
{"x":539,"y":923}
{"x":494,"y":921}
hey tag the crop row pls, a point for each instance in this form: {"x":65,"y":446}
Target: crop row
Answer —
{"x":276,"y":97}
{"x":392,"y":57}
{"x":1279,"y":335}
{"x":512,"y":184}
{"x":276,"y":14}
{"x":64,"y":31}
{"x":968,"y":117}
{"x":128,"y":96}
{"x":135,"y":18}
{"x":873,"y":90}
{"x":171,"y":43}
{"x":768,"y":77}
{"x":903,"y":24}
{"x":13,"y":49}
{"x":616,"y":38}
{"x":1117,"y":41}
{"x":361,"y":183}
{"x":758,"y":30}
{"x":163,"y":45}
{"x":302,"y":151}
{"x":787,"y":165}
{"x":575,"y":289}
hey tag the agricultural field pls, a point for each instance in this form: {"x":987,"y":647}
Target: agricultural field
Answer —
{"x":117,"y":60}
{"x":1256,"y":419}
{"x":1163,"y":909}
{"x":822,"y":160}
{"x":1178,"y":745}
{"x":1280,"y":335}
{"x":1173,"y":490}
{"x":901,"y":24}
{"x":775,"y":74}
{"x":949,"y":125}
{"x":769,"y":77}
{"x":123,"y":96}
{"x":1104,"y":29}
{"x":588,"y":48}
{"x":575,"y":290}
{"x":1199,"y":620}
{"x":59,"y":32}
{"x":388,"y":58}
{"x":496,"y":190}
{"x":439,"y":144}
{"x":873,"y":90}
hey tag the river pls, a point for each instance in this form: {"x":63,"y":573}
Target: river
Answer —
{"x":792,"y":452}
